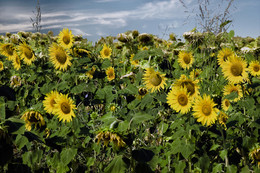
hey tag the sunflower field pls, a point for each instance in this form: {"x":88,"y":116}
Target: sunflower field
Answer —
{"x":129,"y":103}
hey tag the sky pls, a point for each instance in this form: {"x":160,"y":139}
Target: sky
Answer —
{"x":94,"y":19}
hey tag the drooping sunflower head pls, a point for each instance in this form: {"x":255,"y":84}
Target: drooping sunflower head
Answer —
{"x":15,"y":81}
{"x":223,"y":55}
{"x":16,"y":62}
{"x":91,"y":72}
{"x":107,"y":136}
{"x":59,"y":57}
{"x":222,"y":119}
{"x":191,"y":85}
{"x":235,"y":70}
{"x":8,"y":50}
{"x":110,"y":72}
{"x":65,"y":38}
{"x":204,"y":110}
{"x":133,"y":62}
{"x":64,"y":108}
{"x":106,"y":52}
{"x":225,"y":104}
{"x":228,"y":89}
{"x":26,"y":53}
{"x":1,"y":66}
{"x":49,"y":101}
{"x":179,"y":100}
{"x":185,"y":59}
{"x":254,"y":68}
{"x":154,"y":80}
{"x":31,"y":118}
{"x":254,"y":154}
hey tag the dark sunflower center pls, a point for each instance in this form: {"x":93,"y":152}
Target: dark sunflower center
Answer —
{"x":155,"y":79}
{"x":65,"y":107}
{"x":28,"y":53}
{"x":9,"y":49}
{"x":61,"y":57}
{"x":206,"y":109}
{"x":142,"y":91}
{"x":66,"y":39}
{"x":190,"y":87}
{"x":227,"y":103}
{"x":236,"y":69}
{"x":110,"y":73}
{"x":106,"y":52}
{"x":182,"y":100}
{"x":33,"y":117}
{"x":1,"y":65}
{"x":52,"y":102}
{"x":257,"y":156}
{"x":17,"y":60}
{"x":256,"y":68}
{"x":186,"y":59}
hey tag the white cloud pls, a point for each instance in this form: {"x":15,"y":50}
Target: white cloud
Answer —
{"x":76,"y":31}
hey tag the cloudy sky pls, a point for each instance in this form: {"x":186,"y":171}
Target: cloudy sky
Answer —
{"x":96,"y":18}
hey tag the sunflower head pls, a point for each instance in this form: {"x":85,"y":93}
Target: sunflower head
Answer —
{"x":91,"y":72}
{"x":225,"y":104}
{"x":1,"y":66}
{"x":185,"y":59}
{"x":65,"y":38}
{"x":204,"y":110}
{"x":110,"y":72}
{"x":141,"y":92}
{"x":59,"y":57}
{"x":223,"y":55}
{"x":222,"y":119}
{"x":31,"y":118}
{"x":254,"y":68}
{"x":8,"y":50}
{"x":106,"y":52}
{"x":195,"y":73}
{"x":15,"y":81}
{"x":154,"y":80}
{"x":112,"y":107}
{"x":179,"y":100}
{"x":64,"y":108}
{"x":107,"y":136}
{"x":254,"y":154}
{"x":228,"y":89}
{"x":26,"y":53}
{"x":16,"y":62}
{"x":235,"y":70}
{"x":49,"y":101}
{"x":133,"y":62}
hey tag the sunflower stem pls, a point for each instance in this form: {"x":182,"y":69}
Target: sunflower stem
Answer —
{"x":224,"y":146}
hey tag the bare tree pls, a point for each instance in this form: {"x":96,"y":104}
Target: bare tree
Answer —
{"x":36,"y":23}
{"x":210,"y":15}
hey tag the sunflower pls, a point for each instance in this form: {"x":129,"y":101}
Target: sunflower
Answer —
{"x":106,"y":52}
{"x":154,"y":80}
{"x":63,"y":108}
{"x":254,"y":68}
{"x":8,"y":50}
{"x":204,"y":110}
{"x":141,"y":93}
{"x":225,"y":104}
{"x":15,"y":81}
{"x":110,"y":73}
{"x":1,"y":66}
{"x":223,"y":55}
{"x":228,"y":89}
{"x":254,"y":154}
{"x":133,"y":62}
{"x":33,"y":118}
{"x":65,"y":38}
{"x":185,"y":59}
{"x":91,"y":72}
{"x":235,"y":70}
{"x":222,"y":119}
{"x":59,"y":57}
{"x":26,"y":53}
{"x":179,"y":100}
{"x":194,"y":74}
{"x":107,"y":136}
{"x":49,"y":101}
{"x":16,"y":62}
{"x":191,"y":85}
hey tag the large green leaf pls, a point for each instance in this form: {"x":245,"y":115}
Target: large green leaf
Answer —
{"x":67,"y":155}
{"x":78,"y":88}
{"x":116,"y":166}
{"x":141,"y":117}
